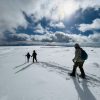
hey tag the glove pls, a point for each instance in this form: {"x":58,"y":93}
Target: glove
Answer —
{"x":74,"y":60}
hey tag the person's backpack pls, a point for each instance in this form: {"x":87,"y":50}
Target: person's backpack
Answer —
{"x":84,"y":55}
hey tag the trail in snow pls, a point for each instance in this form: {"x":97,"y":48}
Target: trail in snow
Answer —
{"x":48,"y":79}
{"x":92,"y":80}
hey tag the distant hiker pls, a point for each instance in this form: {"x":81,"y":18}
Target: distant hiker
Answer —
{"x":80,"y":57}
{"x":34,"y":55}
{"x":28,"y":56}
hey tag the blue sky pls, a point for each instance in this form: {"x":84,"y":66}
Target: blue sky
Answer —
{"x":59,"y":21}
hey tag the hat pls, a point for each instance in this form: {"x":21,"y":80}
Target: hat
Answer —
{"x":77,"y":45}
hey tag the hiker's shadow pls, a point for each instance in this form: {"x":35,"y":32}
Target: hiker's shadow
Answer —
{"x":23,"y":68}
{"x":55,"y":66}
{"x":19,"y":65}
{"x":83,"y":92}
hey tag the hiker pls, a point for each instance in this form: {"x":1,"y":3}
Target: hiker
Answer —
{"x":34,"y":55}
{"x":28,"y":56}
{"x":78,"y":61}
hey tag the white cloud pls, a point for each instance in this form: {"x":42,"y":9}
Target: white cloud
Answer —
{"x":94,"y":37}
{"x":59,"y":37}
{"x":39,"y":29}
{"x":67,"y":38}
{"x":11,"y":12}
{"x":11,"y":17}
{"x":19,"y":37}
{"x":57,"y":25}
{"x":84,"y":4}
{"x":41,"y":38}
{"x":94,"y":26}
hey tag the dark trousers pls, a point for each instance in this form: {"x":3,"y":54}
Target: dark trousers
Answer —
{"x":80,"y":65}
{"x":34,"y":58}
{"x":28,"y":59}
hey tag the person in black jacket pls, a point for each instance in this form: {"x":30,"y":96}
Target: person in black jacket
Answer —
{"x":28,"y":56}
{"x":78,"y":61}
{"x":34,"y":55}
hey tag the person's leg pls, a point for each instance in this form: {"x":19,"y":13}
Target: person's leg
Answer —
{"x":33,"y":59}
{"x":27,"y":59}
{"x":74,"y":69}
{"x":36,"y":59}
{"x":81,"y":69}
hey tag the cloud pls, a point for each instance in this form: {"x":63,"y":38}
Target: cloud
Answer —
{"x":14,"y":39}
{"x":39,"y":29}
{"x":84,"y":4}
{"x":41,"y":38}
{"x":11,"y":15}
{"x":10,"y":37}
{"x":59,"y":37}
{"x":94,"y":37}
{"x":94,"y":26}
{"x":59,"y":25}
{"x":19,"y":37}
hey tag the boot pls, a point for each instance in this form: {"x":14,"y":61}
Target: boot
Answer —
{"x":71,"y":74}
{"x":82,"y":76}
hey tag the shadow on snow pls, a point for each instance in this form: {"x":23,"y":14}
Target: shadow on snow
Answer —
{"x":94,"y":81}
{"x":54,"y":66}
{"x":90,"y":79}
{"x":19,"y":65}
{"x":23,"y":68}
{"x":83,"y":92}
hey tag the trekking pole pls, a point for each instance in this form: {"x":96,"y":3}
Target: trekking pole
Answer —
{"x":31,"y":59}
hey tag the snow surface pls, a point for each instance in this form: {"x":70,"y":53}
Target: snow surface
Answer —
{"x":48,"y":79}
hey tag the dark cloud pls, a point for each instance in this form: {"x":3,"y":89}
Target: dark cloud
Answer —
{"x":48,"y":20}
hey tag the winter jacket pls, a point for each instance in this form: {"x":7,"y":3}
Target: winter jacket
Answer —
{"x":34,"y":55}
{"x":77,"y":57}
{"x":28,"y":55}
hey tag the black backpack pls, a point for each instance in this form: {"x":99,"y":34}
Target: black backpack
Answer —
{"x":84,"y":55}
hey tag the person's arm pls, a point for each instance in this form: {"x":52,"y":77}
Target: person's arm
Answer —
{"x":32,"y":55}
